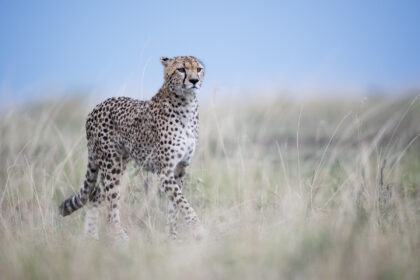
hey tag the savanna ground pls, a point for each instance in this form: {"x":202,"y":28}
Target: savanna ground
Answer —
{"x":315,"y":189}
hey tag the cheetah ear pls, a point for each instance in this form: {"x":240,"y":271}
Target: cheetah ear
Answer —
{"x":164,"y":60}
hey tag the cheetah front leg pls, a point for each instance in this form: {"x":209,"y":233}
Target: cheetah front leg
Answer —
{"x":177,"y":202}
{"x":172,"y":215}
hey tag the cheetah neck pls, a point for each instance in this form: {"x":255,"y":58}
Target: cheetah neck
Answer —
{"x":177,"y":100}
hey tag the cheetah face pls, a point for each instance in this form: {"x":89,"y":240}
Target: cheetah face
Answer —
{"x":183,"y":74}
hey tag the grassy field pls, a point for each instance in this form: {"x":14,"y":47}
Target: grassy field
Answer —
{"x":315,"y":189}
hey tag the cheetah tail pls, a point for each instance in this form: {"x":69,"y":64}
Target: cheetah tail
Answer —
{"x":78,"y":200}
{"x":71,"y":204}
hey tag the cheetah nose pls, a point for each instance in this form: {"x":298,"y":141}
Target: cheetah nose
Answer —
{"x":194,"y":81}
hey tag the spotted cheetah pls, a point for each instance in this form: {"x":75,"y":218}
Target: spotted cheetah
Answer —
{"x":160,"y":135}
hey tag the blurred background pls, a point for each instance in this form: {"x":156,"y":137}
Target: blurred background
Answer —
{"x":293,"y":48}
{"x":308,"y":159}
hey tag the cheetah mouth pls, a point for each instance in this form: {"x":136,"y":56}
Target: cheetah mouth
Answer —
{"x":194,"y":87}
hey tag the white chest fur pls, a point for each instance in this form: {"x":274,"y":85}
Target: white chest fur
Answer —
{"x":187,"y":126}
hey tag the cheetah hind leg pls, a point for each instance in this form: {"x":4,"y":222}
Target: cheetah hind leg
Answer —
{"x":112,"y":188}
{"x":96,"y":198}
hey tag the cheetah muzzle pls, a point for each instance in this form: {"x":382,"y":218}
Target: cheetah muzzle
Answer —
{"x":160,"y":135}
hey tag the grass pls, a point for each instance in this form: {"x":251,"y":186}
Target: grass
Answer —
{"x":317,"y":189}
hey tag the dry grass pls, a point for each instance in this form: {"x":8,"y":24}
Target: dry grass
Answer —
{"x":312,"y":190}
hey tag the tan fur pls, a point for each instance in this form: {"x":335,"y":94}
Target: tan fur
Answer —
{"x":160,"y":135}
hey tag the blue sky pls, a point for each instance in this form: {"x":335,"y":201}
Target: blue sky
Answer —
{"x":109,"y":46}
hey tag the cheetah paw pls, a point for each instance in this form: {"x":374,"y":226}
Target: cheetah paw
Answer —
{"x":198,"y":232}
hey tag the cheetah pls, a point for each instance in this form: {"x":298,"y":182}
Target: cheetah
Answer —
{"x":160,"y":135}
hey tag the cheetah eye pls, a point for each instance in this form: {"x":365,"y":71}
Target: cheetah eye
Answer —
{"x":199,"y":69}
{"x":182,"y":70}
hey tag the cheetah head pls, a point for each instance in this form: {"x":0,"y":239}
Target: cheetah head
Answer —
{"x":183,"y":74}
